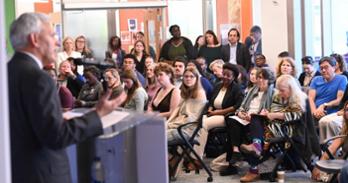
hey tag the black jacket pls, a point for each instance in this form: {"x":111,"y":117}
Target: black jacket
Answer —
{"x":233,"y":97}
{"x":243,"y":57}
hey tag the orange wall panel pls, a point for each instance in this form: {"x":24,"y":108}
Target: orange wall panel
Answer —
{"x":246,"y":18}
{"x":44,"y":7}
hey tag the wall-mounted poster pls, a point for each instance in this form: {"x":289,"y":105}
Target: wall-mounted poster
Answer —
{"x":132,"y":25}
{"x":126,"y":37}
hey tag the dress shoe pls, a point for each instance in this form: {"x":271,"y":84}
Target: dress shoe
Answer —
{"x":250,"y":149}
{"x":230,"y":170}
{"x":250,"y":177}
{"x":194,"y":165}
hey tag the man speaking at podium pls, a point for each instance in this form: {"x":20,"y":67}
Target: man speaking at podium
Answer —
{"x":39,"y":134}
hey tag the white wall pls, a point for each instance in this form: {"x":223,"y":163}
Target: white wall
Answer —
{"x":5,"y":170}
{"x":274,"y":29}
{"x":188,"y":15}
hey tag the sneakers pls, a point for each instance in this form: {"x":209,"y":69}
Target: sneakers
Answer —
{"x":250,"y":177}
{"x":230,"y":170}
{"x":250,"y":149}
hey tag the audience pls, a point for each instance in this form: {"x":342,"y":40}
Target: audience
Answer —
{"x":216,"y":68}
{"x":235,"y":52}
{"x":258,"y":98}
{"x":200,"y":61}
{"x":92,"y":90}
{"x":139,"y":53}
{"x":254,"y":42}
{"x":179,"y":66}
{"x":308,"y":73}
{"x":260,"y":61}
{"x":335,"y":145}
{"x":192,"y":102}
{"x":115,"y":54}
{"x":341,"y":67}
{"x":177,"y":46}
{"x":65,"y":96}
{"x":286,"y":65}
{"x":68,"y":51}
{"x":69,"y":77}
{"x":140,"y":36}
{"x":252,"y":78}
{"x":226,"y":99}
{"x":136,"y":95}
{"x":288,"y":104}
{"x":152,"y":85}
{"x":168,"y":96}
{"x":130,"y":65}
{"x":81,"y":46}
{"x":212,"y":48}
{"x":113,"y":82}
{"x":200,"y":41}
{"x":326,"y":91}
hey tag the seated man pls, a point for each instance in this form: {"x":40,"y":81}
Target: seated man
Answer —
{"x":326,"y":91}
{"x":331,"y":124}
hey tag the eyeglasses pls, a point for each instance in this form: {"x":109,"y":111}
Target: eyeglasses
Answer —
{"x":189,"y":76}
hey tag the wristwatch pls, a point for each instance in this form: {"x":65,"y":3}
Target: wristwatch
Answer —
{"x":326,"y":105}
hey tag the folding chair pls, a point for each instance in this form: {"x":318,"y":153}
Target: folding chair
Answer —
{"x":186,"y":145}
{"x":332,"y":165}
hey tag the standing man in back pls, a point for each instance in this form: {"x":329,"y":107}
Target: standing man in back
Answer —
{"x":38,"y":131}
{"x":254,"y":42}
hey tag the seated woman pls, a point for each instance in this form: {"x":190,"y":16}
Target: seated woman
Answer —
{"x":136,"y":95}
{"x":190,"y":106}
{"x":168,"y":96}
{"x":288,"y":104}
{"x":207,"y":86}
{"x":69,"y":77}
{"x":65,"y":96}
{"x":226,"y":99}
{"x":257,"y":99}
{"x":286,"y":65}
{"x":92,"y":90}
{"x":113,"y":82}
{"x":152,"y":86}
{"x":252,"y":78}
{"x":216,"y":68}
{"x":140,"y":55}
{"x":335,"y":143}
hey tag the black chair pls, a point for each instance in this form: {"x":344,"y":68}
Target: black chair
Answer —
{"x":333,"y":165}
{"x":293,"y":153}
{"x":186,"y":146}
{"x":216,"y":142}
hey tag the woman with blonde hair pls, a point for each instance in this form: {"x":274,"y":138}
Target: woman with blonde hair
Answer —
{"x":286,"y":65}
{"x":68,"y":51}
{"x":82,"y":47}
{"x":288,"y":104}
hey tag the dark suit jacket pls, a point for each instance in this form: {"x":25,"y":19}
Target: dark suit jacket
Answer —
{"x":38,"y":133}
{"x":243,"y":56}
